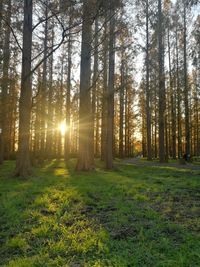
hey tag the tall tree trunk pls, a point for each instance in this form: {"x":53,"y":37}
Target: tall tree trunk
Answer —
{"x":1,"y":33}
{"x":44,"y":87}
{"x":84,"y":157}
{"x":23,"y":166}
{"x":121,"y":121}
{"x":105,"y":92}
{"x":1,"y":56}
{"x":97,"y":126}
{"x":94,"y":88}
{"x":4,"y":153}
{"x":49,"y":140}
{"x":186,"y":91}
{"x":148,"y":111}
{"x":178,"y":99}
{"x":161,"y":85}
{"x":37,"y":102}
{"x":126,"y":122}
{"x":59,"y":112}
{"x":110,"y":97}
{"x":173,"y":110}
{"x":68,"y":98}
{"x":156,"y":126}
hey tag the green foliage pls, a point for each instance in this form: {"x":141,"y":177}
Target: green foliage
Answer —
{"x":134,"y":216}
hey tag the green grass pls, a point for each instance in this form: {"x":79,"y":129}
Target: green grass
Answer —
{"x":133,"y":216}
{"x":194,"y":162}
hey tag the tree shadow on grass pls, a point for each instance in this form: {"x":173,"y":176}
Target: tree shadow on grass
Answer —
{"x":89,"y":219}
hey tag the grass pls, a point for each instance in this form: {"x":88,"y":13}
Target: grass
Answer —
{"x":194,"y":162}
{"x":133,"y":216}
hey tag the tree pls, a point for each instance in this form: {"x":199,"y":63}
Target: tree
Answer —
{"x":161,"y":85}
{"x":105,"y":89}
{"x":23,"y":164}
{"x":44,"y":85}
{"x":110,"y":96}
{"x":4,"y":153}
{"x":84,"y":155}
{"x":148,"y":110}
{"x":186,"y":91}
{"x":94,"y":87}
{"x":68,"y":95}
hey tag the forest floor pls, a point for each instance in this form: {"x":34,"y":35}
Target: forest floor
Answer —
{"x":133,"y":216}
{"x":156,"y":163}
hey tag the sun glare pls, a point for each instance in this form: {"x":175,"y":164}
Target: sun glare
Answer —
{"x":63,"y":128}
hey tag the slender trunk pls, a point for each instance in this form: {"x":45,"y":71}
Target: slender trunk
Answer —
{"x":155,"y":134}
{"x":178,"y":99}
{"x":1,"y":56}
{"x":68,"y":98}
{"x":186,"y":91}
{"x":4,"y":151}
{"x":49,"y":140}
{"x":161,"y":85}
{"x":121,"y":123}
{"x":105,"y":92}
{"x":127,"y":118}
{"x":173,"y":111}
{"x":148,"y":111}
{"x":110,"y":97}
{"x":84,"y":157}
{"x":1,"y":33}
{"x":44,"y":88}
{"x":97,"y":127}
{"x":166,"y":138}
{"x":94,"y":88}
{"x":59,"y":111}
{"x":23,"y":166}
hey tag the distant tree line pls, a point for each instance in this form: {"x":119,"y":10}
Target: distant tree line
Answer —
{"x":45,"y":43}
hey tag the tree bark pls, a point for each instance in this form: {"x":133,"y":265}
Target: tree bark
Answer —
{"x":173,"y":111}
{"x":110,"y":97}
{"x":94,"y":89}
{"x":84,"y":155}
{"x":105,"y":92}
{"x":178,"y":89}
{"x":4,"y":150}
{"x":23,"y":165}
{"x":186,"y":91}
{"x":44,"y":88}
{"x":49,"y":140}
{"x":148,"y":111}
{"x":161,"y":85}
{"x":68,"y":98}
{"x":121,"y":122}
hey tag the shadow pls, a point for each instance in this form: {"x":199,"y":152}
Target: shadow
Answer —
{"x":60,"y":217}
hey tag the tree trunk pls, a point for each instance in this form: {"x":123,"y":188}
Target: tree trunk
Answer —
{"x":161,"y":85}
{"x":44,"y":88}
{"x":4,"y":151}
{"x":148,"y":111}
{"x":187,"y":120}
{"x":110,"y":97}
{"x":37,"y":103}
{"x":84,"y":157}
{"x":49,"y":140}
{"x":173,"y":110}
{"x":105,"y":92}
{"x":23,"y":166}
{"x":178,"y":99}
{"x":94,"y":88}
{"x":121,"y":121}
{"x":68,"y":98}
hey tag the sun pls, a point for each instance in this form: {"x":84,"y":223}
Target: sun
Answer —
{"x":62,"y":128}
